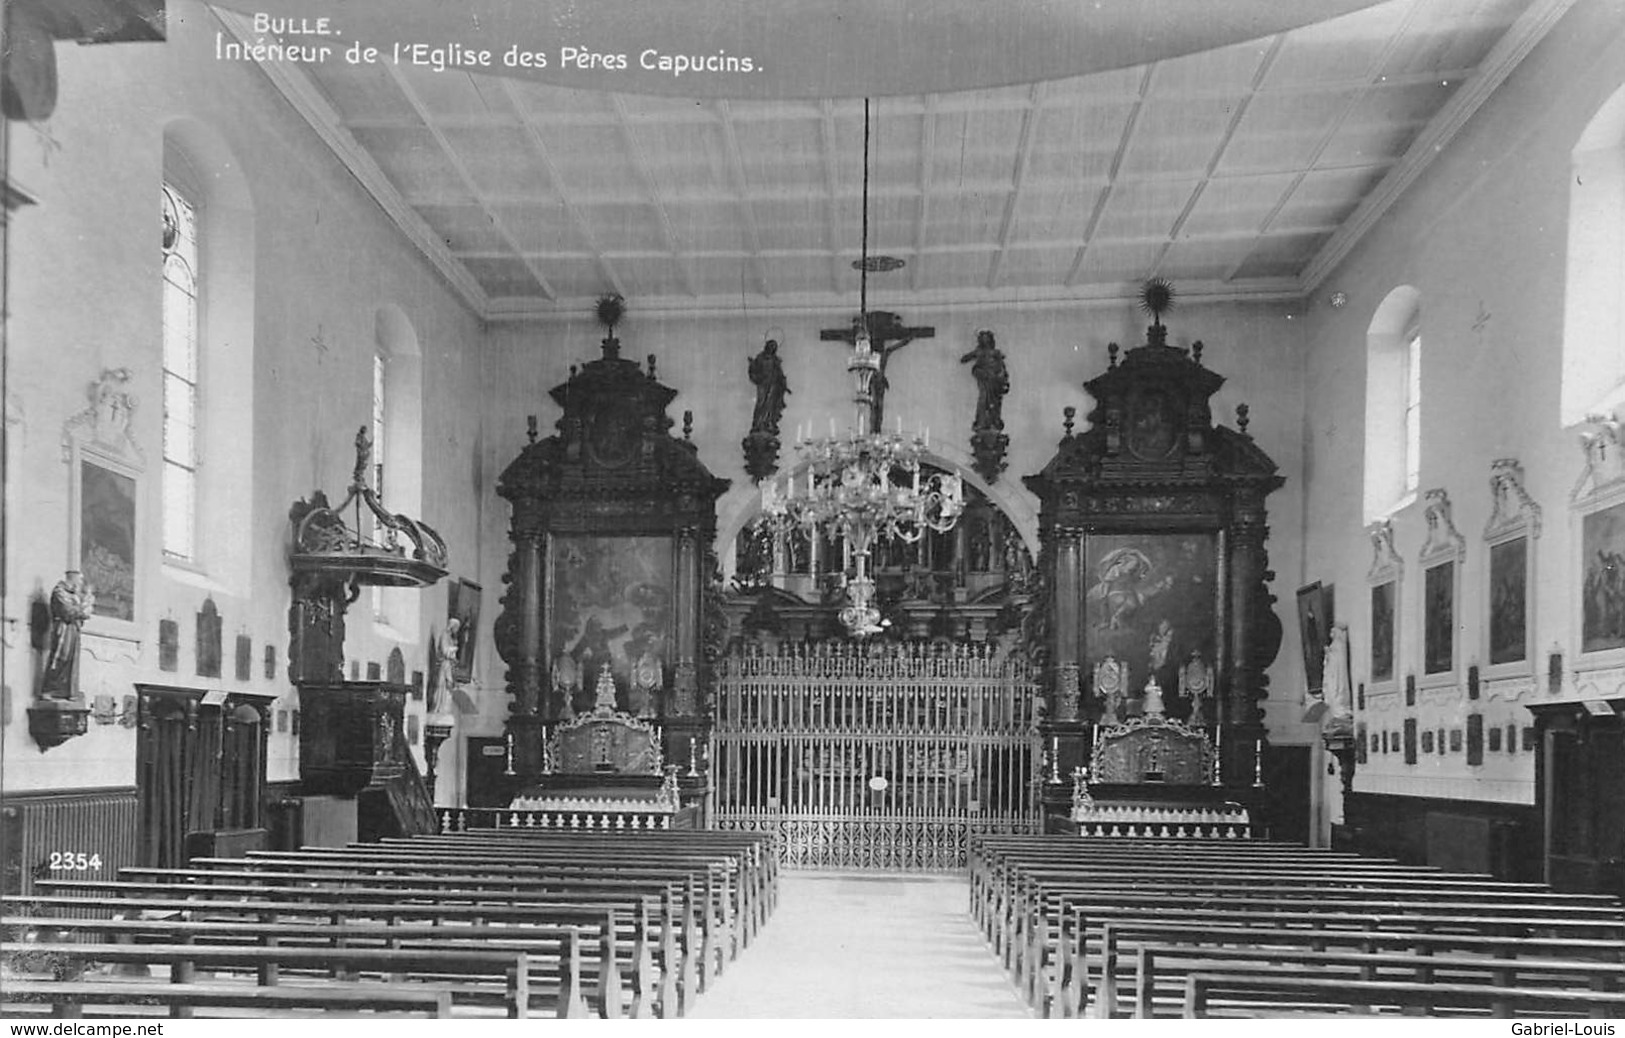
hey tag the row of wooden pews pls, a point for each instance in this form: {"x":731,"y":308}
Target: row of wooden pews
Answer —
{"x":1122,"y":926}
{"x":511,"y":923}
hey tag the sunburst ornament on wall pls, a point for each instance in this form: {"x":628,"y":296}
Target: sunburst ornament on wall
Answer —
{"x":1156,"y":299}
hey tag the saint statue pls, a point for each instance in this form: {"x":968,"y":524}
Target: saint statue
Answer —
{"x":446,"y":649}
{"x":71,"y":604}
{"x":767,"y":373}
{"x":1335,"y":682}
{"x":992,"y":382}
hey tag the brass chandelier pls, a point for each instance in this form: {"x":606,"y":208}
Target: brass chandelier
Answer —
{"x":867,"y":485}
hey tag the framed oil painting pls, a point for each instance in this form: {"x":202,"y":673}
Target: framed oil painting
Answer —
{"x":1439,"y":618}
{"x":1602,"y":585}
{"x":1510,"y":537}
{"x":105,"y":472}
{"x":1152,"y":600}
{"x":107,"y":544}
{"x":1443,"y":554}
{"x":1384,"y":618}
{"x":1383,"y":581}
{"x":612,"y":605}
{"x":1315,"y":619}
{"x":1509,"y":583}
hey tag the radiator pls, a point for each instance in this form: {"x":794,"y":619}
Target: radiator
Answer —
{"x":86,"y":835}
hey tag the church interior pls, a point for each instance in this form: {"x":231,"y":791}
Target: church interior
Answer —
{"x":1101,"y":511}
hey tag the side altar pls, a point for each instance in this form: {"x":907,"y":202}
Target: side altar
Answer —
{"x":612,"y":613}
{"x":604,"y":770}
{"x":1156,"y":581}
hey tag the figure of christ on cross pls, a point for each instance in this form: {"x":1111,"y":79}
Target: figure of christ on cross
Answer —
{"x":887,"y":335}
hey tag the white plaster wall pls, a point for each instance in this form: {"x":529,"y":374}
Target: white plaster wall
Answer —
{"x":1483,"y":236}
{"x":83,"y":266}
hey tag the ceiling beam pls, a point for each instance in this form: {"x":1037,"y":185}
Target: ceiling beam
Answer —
{"x":1530,"y":28}
{"x":747,"y":216}
{"x":1018,"y":175}
{"x":640,"y":164}
{"x":296,"y":88}
{"x":1123,"y":140}
{"x":826,"y":150}
{"x":1240,"y":110}
{"x":544,"y":156}
{"x":399,"y":79}
{"x":922,"y":211}
{"x":822,"y":304}
{"x":1373,"y":80}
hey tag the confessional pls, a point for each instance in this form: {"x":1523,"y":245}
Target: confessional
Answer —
{"x":611,"y":608}
{"x":1161,"y":627}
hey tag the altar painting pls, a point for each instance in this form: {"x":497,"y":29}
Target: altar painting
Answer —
{"x":612,"y":604}
{"x":1151,"y":600}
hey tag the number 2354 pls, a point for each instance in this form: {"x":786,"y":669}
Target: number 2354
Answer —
{"x":74,"y":861}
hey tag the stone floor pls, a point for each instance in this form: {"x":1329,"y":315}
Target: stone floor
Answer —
{"x":866,"y":946}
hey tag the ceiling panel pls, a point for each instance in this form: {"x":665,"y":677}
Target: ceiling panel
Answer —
{"x":503,"y":278}
{"x":1236,"y":205}
{"x":1140,"y":209}
{"x":624,"y":227}
{"x":1181,"y":136}
{"x":1232,"y":166}
{"x":545,"y":229}
{"x":1203,"y":260}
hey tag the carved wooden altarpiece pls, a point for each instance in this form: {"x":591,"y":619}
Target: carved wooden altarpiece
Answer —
{"x":612,"y":570}
{"x":1152,"y":524}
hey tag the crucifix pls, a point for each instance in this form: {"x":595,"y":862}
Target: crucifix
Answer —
{"x":887,"y":335}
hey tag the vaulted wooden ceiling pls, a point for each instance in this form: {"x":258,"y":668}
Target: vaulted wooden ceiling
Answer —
{"x":1246,"y":171}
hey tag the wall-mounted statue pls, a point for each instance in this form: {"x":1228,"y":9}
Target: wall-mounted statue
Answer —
{"x":988,"y":440}
{"x":762,"y":443}
{"x":71,"y":603}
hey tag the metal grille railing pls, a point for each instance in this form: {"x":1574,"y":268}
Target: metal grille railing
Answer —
{"x":876,"y":758}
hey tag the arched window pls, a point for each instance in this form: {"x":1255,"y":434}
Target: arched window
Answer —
{"x":1594,"y":307}
{"x":207,"y":310}
{"x":397,"y":443}
{"x":1393,"y":404}
{"x":180,"y":363}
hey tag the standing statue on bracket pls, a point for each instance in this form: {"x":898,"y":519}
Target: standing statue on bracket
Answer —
{"x":446,"y":648}
{"x":988,"y":440}
{"x":992,"y":381}
{"x":762,"y":443}
{"x":71,"y":604}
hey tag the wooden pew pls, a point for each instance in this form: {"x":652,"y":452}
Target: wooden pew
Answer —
{"x":736,"y":889}
{"x":1060,"y":981}
{"x":711,"y":916}
{"x":67,"y":961}
{"x":517,"y":885}
{"x":552,"y":954}
{"x":620,"y":967}
{"x":1333,"y":996}
{"x":69,"y":997}
{"x":1603,"y":960}
{"x":1166,"y":963}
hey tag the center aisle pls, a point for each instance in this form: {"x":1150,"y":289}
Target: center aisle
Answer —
{"x":866,"y":946}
